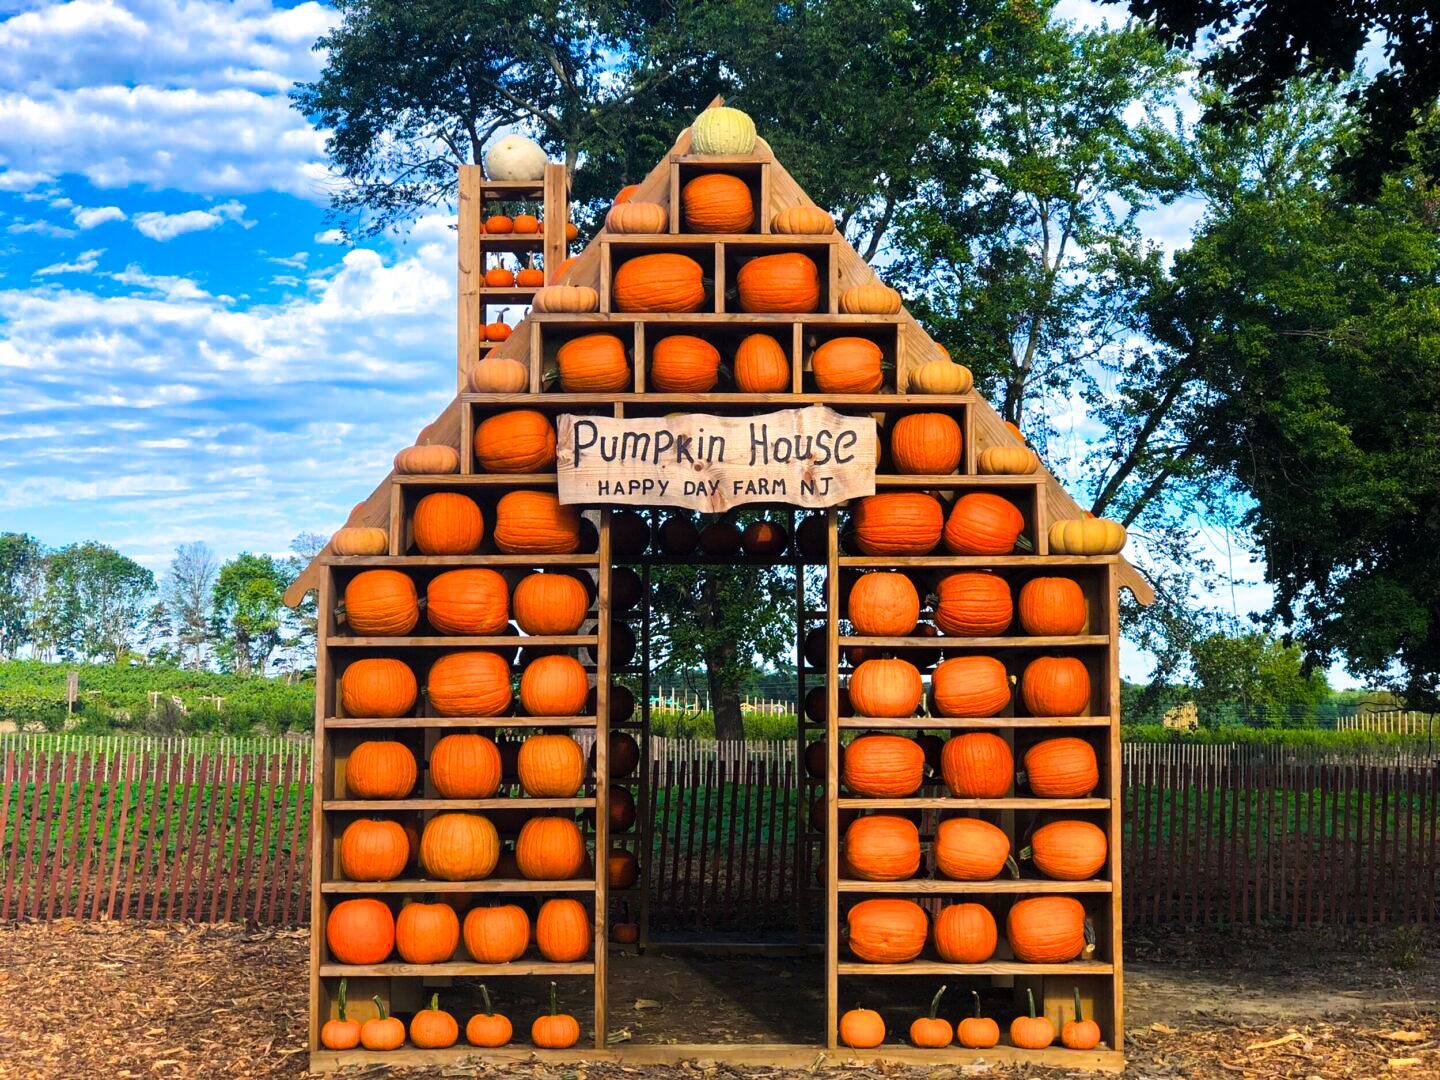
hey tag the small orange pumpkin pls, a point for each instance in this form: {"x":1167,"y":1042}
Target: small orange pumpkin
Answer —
{"x":527,"y":224}
{"x":488,"y":1028}
{"x":555,"y":1030}
{"x":499,"y":224}
{"x":383,"y":1031}
{"x":932,"y":1031}
{"x":1079,"y":1033}
{"x":340,"y":1033}
{"x":977,"y":1032}
{"x":862,"y":1029}
{"x":1032,"y":1032}
{"x":498,"y":277}
{"x":433,"y":1028}
{"x":498,"y":331}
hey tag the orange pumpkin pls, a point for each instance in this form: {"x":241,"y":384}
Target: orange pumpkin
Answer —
{"x":593,"y":364}
{"x":661,"y":282}
{"x":862,"y":1029}
{"x":527,"y":224}
{"x":788,"y":281}
{"x":427,"y":933}
{"x":497,"y":331}
{"x":977,"y":1032}
{"x":886,"y":931}
{"x":381,"y":603}
{"x":1063,"y":768}
{"x":496,"y":934}
{"x":983,"y":524}
{"x":469,"y":601}
{"x":562,"y":931}
{"x":554,"y":686}
{"x":883,"y":605}
{"x":459,"y":847}
{"x":471,"y":683}
{"x":499,"y":224}
{"x":550,"y":849}
{"x":884,"y":766}
{"x":762,"y":366}
{"x":465,"y":766}
{"x":378,"y":686}
{"x":380,"y":769}
{"x":383,"y":1031}
{"x":977,"y":765}
{"x":517,"y":441}
{"x":973,"y":604}
{"x":547,"y":604}
{"x":717,"y":203}
{"x":1079,"y":1033}
{"x":1032,"y":1032}
{"x":970,"y":686}
{"x":1053,"y":607}
{"x":848,"y":365}
{"x":534,"y":523}
{"x":684,"y":364}
{"x":898,"y":523}
{"x":488,"y":1028}
{"x":622,"y":869}
{"x":555,"y":1030}
{"x":882,"y":847}
{"x":932,"y":1031}
{"x":498,"y":277}
{"x":885,"y":688}
{"x":965,"y":934}
{"x":447,"y":523}
{"x":433,"y":1028}
{"x":1056,"y":686}
{"x":360,"y":931}
{"x":625,"y":194}
{"x":340,"y":1033}
{"x":558,"y":274}
{"x":1068,"y":850}
{"x":764,"y":539}
{"x":969,"y":849}
{"x":1049,"y":930}
{"x":926,"y":443}
{"x":551,"y":766}
{"x":373,"y":850}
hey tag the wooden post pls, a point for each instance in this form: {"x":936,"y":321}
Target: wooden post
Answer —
{"x":470,"y":273}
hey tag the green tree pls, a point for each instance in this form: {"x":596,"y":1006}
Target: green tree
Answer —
{"x":1262,"y":680}
{"x":248,"y":622}
{"x":95,"y":602}
{"x":22,"y":563}
{"x":188,"y":587}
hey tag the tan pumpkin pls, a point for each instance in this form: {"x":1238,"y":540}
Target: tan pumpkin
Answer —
{"x":499,"y":375}
{"x":360,"y":540}
{"x":1087,"y":536}
{"x":762,"y":365}
{"x":427,"y":460}
{"x":786,"y":282}
{"x":926,"y":443}
{"x":883,"y":767}
{"x":882,"y":847}
{"x":848,"y":365}
{"x":940,"y":377}
{"x":637,"y":217}
{"x":567,"y":299}
{"x":593,"y":364}
{"x":664,"y":281}
{"x":684,"y":364}
{"x":886,"y":931}
{"x":872,"y":299}
{"x":717,"y":203}
{"x":516,"y":441}
{"x":1007,"y":461}
{"x":803,"y":221}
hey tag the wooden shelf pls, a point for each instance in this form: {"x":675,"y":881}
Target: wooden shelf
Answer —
{"x":445,"y":641}
{"x":511,"y":296}
{"x":955,"y":480}
{"x":993,"y":967}
{"x":931,"y":887}
{"x":511,"y":190}
{"x":383,"y":722}
{"x":511,"y":243}
{"x":457,"y":967}
{"x":368,"y":562}
{"x":965,"y":722}
{"x":488,"y":885}
{"x":518,"y":803}
{"x":476,"y":480}
{"x":948,"y":642}
{"x":780,"y":240}
{"x":943,"y":802}
{"x":872,"y":402}
{"x":994,"y":562}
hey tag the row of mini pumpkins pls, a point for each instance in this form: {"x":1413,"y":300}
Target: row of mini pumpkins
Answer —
{"x":864,"y":1029}
{"x":472,"y":682}
{"x":522,"y":224}
{"x":435,"y":1029}
{"x":472,"y":600}
{"x":968,"y":603}
{"x":464,"y":765}
{"x":365,"y":931}
{"x":969,"y":686}
{"x":886,"y":847}
{"x":1039,"y":930}
{"x":973,"y":765}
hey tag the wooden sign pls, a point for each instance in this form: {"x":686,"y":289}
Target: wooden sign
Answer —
{"x":810,"y":457}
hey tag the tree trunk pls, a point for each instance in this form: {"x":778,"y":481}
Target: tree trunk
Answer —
{"x":724,"y":691}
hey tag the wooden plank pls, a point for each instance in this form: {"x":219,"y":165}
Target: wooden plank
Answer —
{"x":159,"y":826}
{"x":144,"y":771}
{"x":1016,"y":641}
{"x":486,"y":885}
{"x":15,"y":776}
{"x":992,"y":967}
{"x":111,"y":776}
{"x":832,"y":780}
{"x":470,"y":272}
{"x":945,"y":802}
{"x":181,"y":892}
{"x":295,"y":789}
{"x":440,"y":641}
{"x":238,"y":833}
{"x":282,"y":803}
{"x":48,"y":867}
{"x":458,"y":967}
{"x":336,"y":723}
{"x":264,"y":767}
{"x":66,"y":855}
{"x":996,"y":887}
{"x":511,"y":802}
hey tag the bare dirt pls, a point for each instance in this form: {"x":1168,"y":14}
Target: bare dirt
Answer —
{"x":118,"y":1001}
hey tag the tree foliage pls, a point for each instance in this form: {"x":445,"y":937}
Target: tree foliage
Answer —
{"x":248,"y":623}
{"x":1255,"y":679}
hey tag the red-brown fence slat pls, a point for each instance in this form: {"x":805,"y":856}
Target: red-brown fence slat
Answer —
{"x":17,"y":769}
{"x":48,"y":879}
{"x":232,"y":883}
{"x":133,"y":768}
{"x":282,"y":802}
{"x":108,"y":781}
{"x":297,"y":839}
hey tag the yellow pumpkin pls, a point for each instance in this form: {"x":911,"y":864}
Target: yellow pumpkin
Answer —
{"x":637,"y":217}
{"x":1008,"y":461}
{"x":941,"y":377}
{"x":722,"y":130}
{"x":874,"y":299}
{"x":360,"y":540}
{"x":803,"y":220}
{"x":1087,"y":536}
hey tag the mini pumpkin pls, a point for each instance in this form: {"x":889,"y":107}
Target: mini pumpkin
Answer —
{"x":977,"y":1032}
{"x":1079,"y":1033}
{"x":862,"y":1029}
{"x":803,"y":220}
{"x":382,"y":1031}
{"x":360,"y":541}
{"x":433,"y":1028}
{"x":340,"y":1033}
{"x":555,"y":1030}
{"x":1032,"y":1032}
{"x":488,"y":1028}
{"x":932,"y":1031}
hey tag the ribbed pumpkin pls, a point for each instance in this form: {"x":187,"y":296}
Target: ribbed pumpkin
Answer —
{"x":885,"y":688}
{"x":499,"y":375}
{"x":427,"y":460}
{"x":381,"y":603}
{"x":1063,"y":768}
{"x":969,"y":849}
{"x":940,"y":377}
{"x":717,"y":203}
{"x":1047,"y":930}
{"x":548,"y":604}
{"x":447,"y":523}
{"x":803,"y":220}
{"x":380,"y":769}
{"x":762,"y":366}
{"x":970,"y":686}
{"x":884,"y":767}
{"x":550,"y":849}
{"x":554,"y":686}
{"x":965,"y":934}
{"x":593,"y":364}
{"x":459,"y":847}
{"x":683,"y":364}
{"x":471,"y":683}
{"x":926,"y":443}
{"x":861,"y":1029}
{"x":497,"y":934}
{"x":373,"y":850}
{"x":1007,"y":461}
{"x":469,"y":601}
{"x":360,"y":540}
{"x":977,"y":765}
{"x":872,"y":299}
{"x":551,"y":766}
{"x":660,"y":282}
{"x":1053,"y":607}
{"x":882,"y":847}
{"x":427,"y":933}
{"x":360,"y":931}
{"x":885,"y":931}
{"x":637,"y":217}
{"x":898,"y":523}
{"x":622,"y":869}
{"x":1056,"y":686}
{"x":983,"y":524}
{"x":788,"y":281}
{"x":1087,"y":536}
{"x":465,"y":766}
{"x":378,"y":686}
{"x":570,"y":299}
{"x":883,"y":605}
{"x":534,"y":523}
{"x":722,"y":130}
{"x":517,"y":441}
{"x":1068,"y":850}
{"x":562,"y":931}
{"x":848,"y":365}
{"x":973,"y":604}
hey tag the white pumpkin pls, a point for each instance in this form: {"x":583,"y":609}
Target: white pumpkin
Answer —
{"x":722,"y":131}
{"x":516,"y":158}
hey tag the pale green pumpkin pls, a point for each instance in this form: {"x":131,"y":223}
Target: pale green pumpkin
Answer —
{"x":722,"y":131}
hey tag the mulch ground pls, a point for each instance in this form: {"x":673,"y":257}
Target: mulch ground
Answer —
{"x":114,"y":1000}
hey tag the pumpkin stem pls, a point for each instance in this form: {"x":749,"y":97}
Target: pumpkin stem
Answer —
{"x":1078,"y":1017}
{"x":1089,"y":939}
{"x":342,"y":998}
{"x":935,"y":1002}
{"x":1030,"y":996}
{"x":435,"y":1002}
{"x":1027,"y":853}
{"x":485,"y":996}
{"x":554,"y":1007}
{"x":976,"y":995}
{"x":1024,"y":544}
{"x":384,"y":1012}
{"x":1012,"y":867}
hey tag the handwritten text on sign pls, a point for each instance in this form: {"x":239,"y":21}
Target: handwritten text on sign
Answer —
{"x":805,"y":457}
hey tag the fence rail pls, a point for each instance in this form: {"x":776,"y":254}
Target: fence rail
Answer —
{"x":215,"y":830}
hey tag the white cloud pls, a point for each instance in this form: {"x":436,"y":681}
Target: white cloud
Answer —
{"x":40,"y":228}
{"x":330,"y":236}
{"x":298,"y":260}
{"x":18,"y":180}
{"x":84,"y":263}
{"x":163,"y":227}
{"x":87,"y":217}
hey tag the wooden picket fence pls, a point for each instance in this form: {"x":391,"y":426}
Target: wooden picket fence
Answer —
{"x":160,"y":830}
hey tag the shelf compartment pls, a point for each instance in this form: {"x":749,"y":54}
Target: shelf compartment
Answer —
{"x":457,"y":967}
{"x":518,"y":803}
{"x":942,"y":802}
{"x":488,"y":885}
{"x":383,"y":722}
{"x":931,"y":887}
{"x":993,"y":967}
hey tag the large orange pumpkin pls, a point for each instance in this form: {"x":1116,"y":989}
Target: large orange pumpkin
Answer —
{"x":1056,"y":686}
{"x":885,"y":931}
{"x":554,"y":686}
{"x":622,"y":869}
{"x":983,"y":524}
{"x":551,"y":766}
{"x":883,"y":605}
{"x":762,"y":366}
{"x":471,"y":683}
{"x":788,"y":281}
{"x":380,"y":769}
{"x":497,"y":934}
{"x":381,"y":603}
{"x":926,"y":443}
{"x":882,"y":847}
{"x":848,"y":365}
{"x":593,"y":364}
{"x":1052,"y":607}
{"x":717,"y":203}
{"x":465,"y":766}
{"x":447,"y":523}
{"x":969,"y":849}
{"x":1068,"y":850}
{"x":898,"y":523}
{"x":977,"y":765}
{"x":360,"y":931}
{"x":973,"y":604}
{"x":468,"y":601}
{"x":459,"y":847}
{"x":885,"y":688}
{"x":548,"y":604}
{"x":373,"y":850}
{"x":550,"y":849}
{"x":378,"y":686}
{"x":517,"y":441}
{"x":660,"y":282}
{"x":534,"y":523}
{"x":1048,"y":930}
{"x":1063,"y":768}
{"x":683,"y":364}
{"x":884,"y":766}
{"x":965,"y":934}
{"x":562,"y":931}
{"x":970,"y":686}
{"x":427,"y":933}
